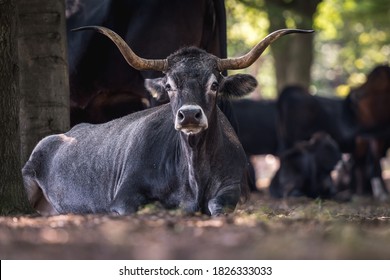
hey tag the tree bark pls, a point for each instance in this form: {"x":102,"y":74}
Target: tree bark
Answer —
{"x":12,"y":196}
{"x":44,"y":81}
{"x":293,"y":55}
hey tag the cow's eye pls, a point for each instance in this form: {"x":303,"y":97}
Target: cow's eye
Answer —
{"x":168,"y":87}
{"x":214,"y":86}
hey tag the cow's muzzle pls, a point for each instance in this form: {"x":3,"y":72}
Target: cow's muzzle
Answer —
{"x":190,"y":119}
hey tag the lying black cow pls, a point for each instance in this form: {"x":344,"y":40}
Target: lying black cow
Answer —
{"x":305,"y":169}
{"x":183,"y":154}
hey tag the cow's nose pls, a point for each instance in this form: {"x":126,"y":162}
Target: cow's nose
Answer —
{"x":189,"y":116}
{"x":191,"y":119}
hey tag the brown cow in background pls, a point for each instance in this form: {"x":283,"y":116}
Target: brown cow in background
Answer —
{"x":372,"y":103}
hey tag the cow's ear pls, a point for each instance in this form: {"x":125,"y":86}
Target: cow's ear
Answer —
{"x":156,"y":87}
{"x":238,"y":85}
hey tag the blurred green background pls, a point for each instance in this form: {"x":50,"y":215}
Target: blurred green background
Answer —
{"x":351,"y":37}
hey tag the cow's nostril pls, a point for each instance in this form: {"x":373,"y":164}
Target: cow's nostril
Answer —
{"x":198,"y":115}
{"x":180,"y":116}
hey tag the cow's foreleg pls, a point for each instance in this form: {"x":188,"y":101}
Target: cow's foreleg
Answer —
{"x":225,"y":201}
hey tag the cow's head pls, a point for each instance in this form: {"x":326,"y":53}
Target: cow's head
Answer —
{"x":193,"y":79}
{"x":193,"y":84}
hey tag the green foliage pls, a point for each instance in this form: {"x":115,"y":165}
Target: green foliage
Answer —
{"x":352,"y":39}
{"x":247,"y":25}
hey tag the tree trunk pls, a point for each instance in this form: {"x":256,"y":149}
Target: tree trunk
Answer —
{"x":293,"y":55}
{"x":44,"y":81}
{"x":12,"y":196}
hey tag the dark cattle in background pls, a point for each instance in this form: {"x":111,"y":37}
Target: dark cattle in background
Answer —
{"x":257,"y":122}
{"x":302,"y":114}
{"x":305,"y":169}
{"x":372,"y":101}
{"x":357,"y":123}
{"x":103,"y":86}
{"x":183,"y":154}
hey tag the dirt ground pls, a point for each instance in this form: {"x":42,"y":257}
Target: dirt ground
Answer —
{"x":262,"y":228}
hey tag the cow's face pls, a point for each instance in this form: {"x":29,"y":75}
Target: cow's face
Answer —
{"x":193,"y":98}
{"x":193,"y":86}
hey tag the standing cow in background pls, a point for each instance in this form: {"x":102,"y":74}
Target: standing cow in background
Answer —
{"x":183,"y":154}
{"x":372,"y":103}
{"x":301,"y":114}
{"x":102,"y":85}
{"x":305,"y":169}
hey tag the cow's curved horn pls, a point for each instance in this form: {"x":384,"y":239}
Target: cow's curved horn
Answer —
{"x":131,"y":58}
{"x":248,"y":59}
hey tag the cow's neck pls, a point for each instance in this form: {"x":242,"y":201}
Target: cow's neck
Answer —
{"x":197,"y":158}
